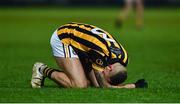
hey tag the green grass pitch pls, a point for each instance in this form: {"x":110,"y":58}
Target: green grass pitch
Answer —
{"x":154,"y":54}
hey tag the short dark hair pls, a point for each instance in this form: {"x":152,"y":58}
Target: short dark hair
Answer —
{"x":118,"y":78}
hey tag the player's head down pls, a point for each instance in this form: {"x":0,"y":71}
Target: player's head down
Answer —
{"x":117,"y":75}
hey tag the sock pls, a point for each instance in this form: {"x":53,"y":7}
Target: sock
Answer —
{"x":47,"y":71}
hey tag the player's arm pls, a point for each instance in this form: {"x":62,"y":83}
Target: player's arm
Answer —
{"x":97,"y":77}
{"x":93,"y":79}
{"x":101,"y":79}
{"x":141,"y":83}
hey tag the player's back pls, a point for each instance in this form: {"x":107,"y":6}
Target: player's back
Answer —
{"x":85,"y":37}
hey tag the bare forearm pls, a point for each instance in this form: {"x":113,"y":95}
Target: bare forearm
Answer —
{"x":126,"y":86}
{"x":101,"y":80}
{"x":93,"y":79}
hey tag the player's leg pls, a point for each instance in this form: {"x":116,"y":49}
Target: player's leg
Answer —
{"x":125,"y":12}
{"x":139,"y":13}
{"x":41,"y":71}
{"x":61,"y":79}
{"x":73,"y":73}
{"x":127,"y":8}
{"x":68,"y":60}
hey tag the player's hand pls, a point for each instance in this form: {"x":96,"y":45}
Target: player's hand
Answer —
{"x":141,"y":83}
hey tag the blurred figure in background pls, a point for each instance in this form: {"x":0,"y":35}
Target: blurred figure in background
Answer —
{"x":129,"y":5}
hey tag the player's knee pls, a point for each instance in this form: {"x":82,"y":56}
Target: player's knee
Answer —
{"x":82,"y":84}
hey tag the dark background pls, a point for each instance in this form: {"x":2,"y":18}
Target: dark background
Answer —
{"x":148,"y":3}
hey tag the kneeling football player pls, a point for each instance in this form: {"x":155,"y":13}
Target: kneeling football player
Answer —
{"x":87,"y":55}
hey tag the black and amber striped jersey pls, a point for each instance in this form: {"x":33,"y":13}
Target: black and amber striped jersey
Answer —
{"x":99,"y":45}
